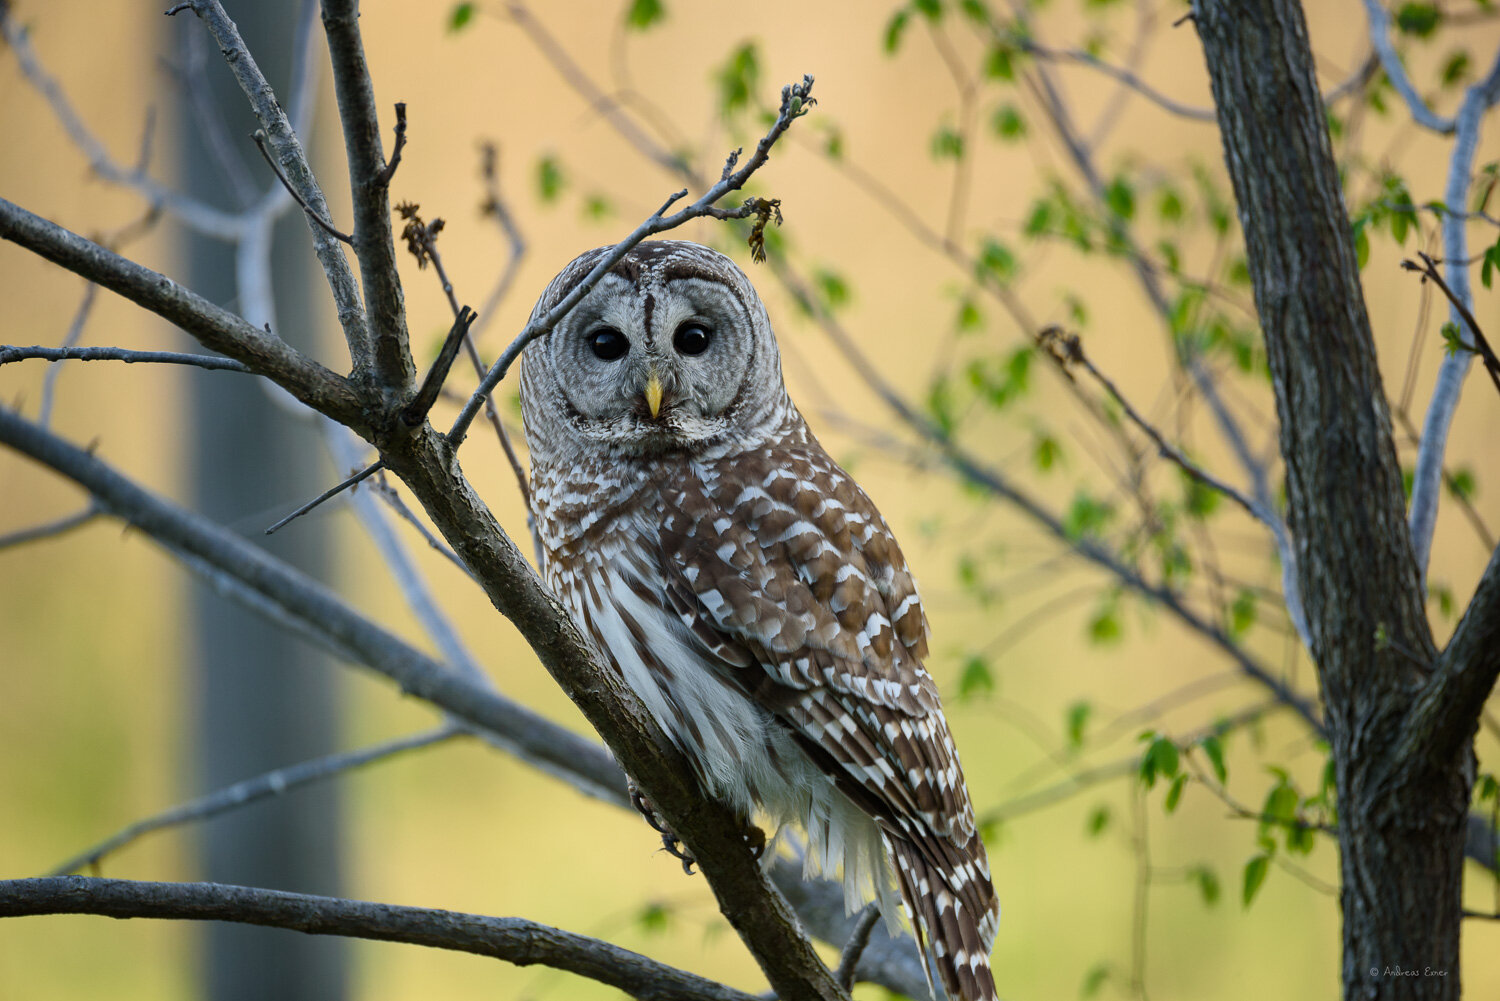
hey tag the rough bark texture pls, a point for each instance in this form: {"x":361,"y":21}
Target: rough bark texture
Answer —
{"x":1401,"y":815}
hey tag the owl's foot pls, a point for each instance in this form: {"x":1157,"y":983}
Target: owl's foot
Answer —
{"x":670,"y":842}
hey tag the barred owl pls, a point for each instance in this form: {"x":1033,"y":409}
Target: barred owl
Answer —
{"x":747,"y":590}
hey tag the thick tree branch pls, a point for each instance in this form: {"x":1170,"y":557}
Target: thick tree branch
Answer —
{"x":1446,"y":712}
{"x":369,"y":184}
{"x":514,"y":940}
{"x":213,"y":327}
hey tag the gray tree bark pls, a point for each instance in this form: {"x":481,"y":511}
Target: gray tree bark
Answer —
{"x":265,"y":698}
{"x":1404,"y":766}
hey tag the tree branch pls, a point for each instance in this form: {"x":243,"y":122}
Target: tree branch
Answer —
{"x":390,"y":358}
{"x":1395,"y":71}
{"x":215,"y":328}
{"x":315,"y":609}
{"x":1446,"y":712}
{"x":293,"y":159}
{"x":14,"y":352}
{"x":277,"y":782}
{"x":514,"y":940}
{"x":1427,"y":477}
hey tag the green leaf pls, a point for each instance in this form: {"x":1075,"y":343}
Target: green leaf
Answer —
{"x":1452,"y":340}
{"x":1078,"y":721}
{"x":947,"y":144}
{"x":460,"y":16}
{"x":976,"y":678}
{"x":1169,"y":206}
{"x":1160,"y":760}
{"x":1487,"y":788}
{"x":737,"y":79}
{"x":1491,"y":262}
{"x":930,"y":9}
{"x":1242,"y":612}
{"x":999,"y":63}
{"x":1419,"y":19}
{"x":1093,"y":980}
{"x":1198,"y":498}
{"x":1208,"y":884}
{"x":969,"y":318}
{"x":1461,"y":483}
{"x":642,"y":14}
{"x":1120,"y":197}
{"x":1174,"y":793}
{"x":996,"y":259}
{"x":1213,"y":750}
{"x":1086,"y":516}
{"x":1045,"y":452}
{"x":895,"y":28}
{"x":1007,"y":122}
{"x":597,"y":206}
{"x":1455,"y":68}
{"x":834,"y":289}
{"x":1104,"y":627}
{"x":1255,"y":875}
{"x":550,"y":178}
{"x":654,"y":917}
{"x":1098,"y":821}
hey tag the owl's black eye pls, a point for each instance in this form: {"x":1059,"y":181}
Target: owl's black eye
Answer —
{"x":692,"y":339}
{"x":608,"y":344}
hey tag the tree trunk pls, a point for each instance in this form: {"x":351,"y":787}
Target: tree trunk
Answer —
{"x":1401,"y":821}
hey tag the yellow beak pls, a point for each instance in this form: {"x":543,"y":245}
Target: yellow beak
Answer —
{"x":653,"y":394}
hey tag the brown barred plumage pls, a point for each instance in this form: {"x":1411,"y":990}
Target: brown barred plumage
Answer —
{"x":749,"y":591}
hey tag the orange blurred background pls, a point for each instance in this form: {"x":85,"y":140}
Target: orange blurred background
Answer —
{"x":92,"y":697}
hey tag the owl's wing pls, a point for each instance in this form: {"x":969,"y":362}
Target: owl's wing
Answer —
{"x":790,"y":581}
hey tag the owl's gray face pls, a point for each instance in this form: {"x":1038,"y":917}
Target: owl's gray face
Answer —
{"x":671,"y":352}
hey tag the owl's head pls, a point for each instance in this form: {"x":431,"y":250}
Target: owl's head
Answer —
{"x":672,"y":352}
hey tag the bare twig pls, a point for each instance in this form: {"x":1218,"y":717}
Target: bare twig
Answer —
{"x":14,"y":352}
{"x":415,"y":412}
{"x":1429,"y":272}
{"x":260,"y":143}
{"x":273,"y":783}
{"x":51,"y":529}
{"x":514,"y":940}
{"x":1069,"y":350}
{"x":399,"y":145}
{"x":849,"y":958}
{"x":328,"y":494}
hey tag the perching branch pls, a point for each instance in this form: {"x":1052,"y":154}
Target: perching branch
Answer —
{"x":514,"y":940}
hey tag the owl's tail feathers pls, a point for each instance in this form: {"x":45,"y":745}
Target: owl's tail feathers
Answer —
{"x":954,"y":913}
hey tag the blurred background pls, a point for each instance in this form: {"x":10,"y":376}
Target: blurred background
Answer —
{"x":927,"y":176}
